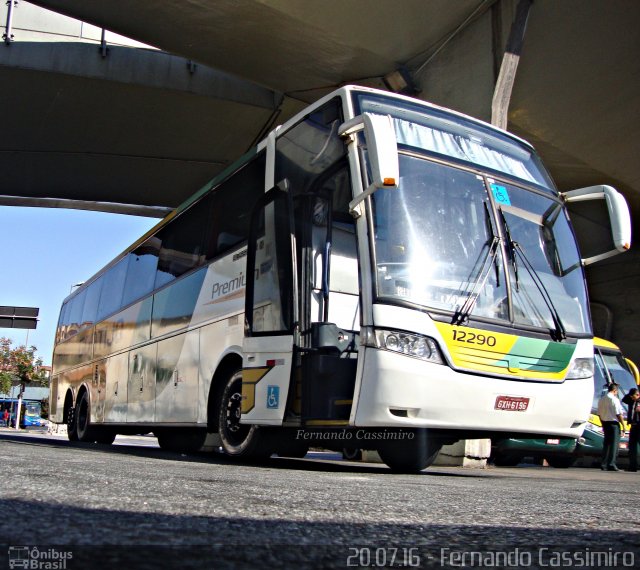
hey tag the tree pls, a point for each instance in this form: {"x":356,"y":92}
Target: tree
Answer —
{"x":19,"y":366}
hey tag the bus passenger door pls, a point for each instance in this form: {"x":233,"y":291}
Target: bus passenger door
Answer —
{"x":270,"y":310}
{"x":325,"y":368}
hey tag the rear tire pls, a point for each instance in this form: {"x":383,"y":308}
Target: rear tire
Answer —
{"x":410,"y":456}
{"x":83,"y":420}
{"x":242,"y":441}
{"x":72,"y":430}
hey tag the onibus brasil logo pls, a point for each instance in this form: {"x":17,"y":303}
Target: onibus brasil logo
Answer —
{"x":31,"y":557}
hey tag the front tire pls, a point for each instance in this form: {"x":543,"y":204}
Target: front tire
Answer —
{"x":410,"y":456}
{"x":238,"y":440}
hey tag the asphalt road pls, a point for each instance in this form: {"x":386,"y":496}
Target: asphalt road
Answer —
{"x":131,"y":505}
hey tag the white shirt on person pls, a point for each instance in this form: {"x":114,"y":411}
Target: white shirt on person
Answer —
{"x":609,"y":408}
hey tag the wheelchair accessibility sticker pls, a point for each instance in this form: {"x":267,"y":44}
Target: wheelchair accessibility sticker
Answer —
{"x":501,"y":194}
{"x":273,"y":397}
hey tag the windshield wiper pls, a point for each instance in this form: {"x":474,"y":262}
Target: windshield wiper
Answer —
{"x":461,"y":315}
{"x":559,"y":333}
{"x":511,"y":244}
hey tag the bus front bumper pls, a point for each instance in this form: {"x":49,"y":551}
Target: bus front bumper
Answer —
{"x":401,"y":391}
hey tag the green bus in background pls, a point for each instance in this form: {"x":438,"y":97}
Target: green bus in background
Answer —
{"x":610,"y":366}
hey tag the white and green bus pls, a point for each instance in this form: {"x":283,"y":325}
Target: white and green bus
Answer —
{"x":378,"y":273}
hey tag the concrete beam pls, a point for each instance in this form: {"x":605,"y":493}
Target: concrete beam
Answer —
{"x":141,"y":67}
{"x":109,"y":207}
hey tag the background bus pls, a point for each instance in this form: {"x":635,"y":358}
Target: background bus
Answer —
{"x":610,"y":366}
{"x":30,"y":413}
{"x":367,"y":260}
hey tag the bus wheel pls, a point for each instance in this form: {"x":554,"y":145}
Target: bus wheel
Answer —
{"x":410,"y":456}
{"x":238,"y":440}
{"x":83,"y":422}
{"x":72,"y":431}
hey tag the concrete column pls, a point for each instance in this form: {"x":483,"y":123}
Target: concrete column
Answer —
{"x":465,"y":453}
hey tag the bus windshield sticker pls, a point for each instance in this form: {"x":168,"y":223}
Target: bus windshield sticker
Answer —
{"x":500,"y":194}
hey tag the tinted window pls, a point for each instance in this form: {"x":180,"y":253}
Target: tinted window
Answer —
{"x":141,"y":270}
{"x":112,"y":288}
{"x":63,"y":322}
{"x":173,"y":306}
{"x":270,"y":262}
{"x":233,"y":201}
{"x":75,"y":312}
{"x":310,"y":148}
{"x":182,"y":242}
{"x":92,"y":297}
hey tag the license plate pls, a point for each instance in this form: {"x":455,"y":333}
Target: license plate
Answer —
{"x":553,"y":442}
{"x":623,"y":445}
{"x":511,"y":403}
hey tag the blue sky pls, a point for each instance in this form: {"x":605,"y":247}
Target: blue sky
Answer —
{"x":45,"y":251}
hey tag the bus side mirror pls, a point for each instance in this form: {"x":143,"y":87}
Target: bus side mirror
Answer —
{"x":382,"y":150}
{"x":619,"y":217}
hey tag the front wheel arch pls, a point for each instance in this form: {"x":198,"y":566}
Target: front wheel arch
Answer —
{"x":248,"y":442}
{"x":229,"y":364}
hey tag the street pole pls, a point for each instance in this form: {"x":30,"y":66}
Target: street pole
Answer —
{"x":19,"y":409}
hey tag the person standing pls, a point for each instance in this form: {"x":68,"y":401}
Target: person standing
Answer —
{"x":632,"y":399}
{"x":611,"y":415}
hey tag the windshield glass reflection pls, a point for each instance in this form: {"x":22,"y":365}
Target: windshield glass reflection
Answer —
{"x":436,"y":245}
{"x":432,"y":235}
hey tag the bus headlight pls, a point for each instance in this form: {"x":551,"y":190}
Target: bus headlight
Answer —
{"x":418,"y":346}
{"x":581,"y":368}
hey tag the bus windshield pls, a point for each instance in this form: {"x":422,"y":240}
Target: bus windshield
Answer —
{"x":618,"y":372}
{"x":33,"y":409}
{"x":456,"y":239}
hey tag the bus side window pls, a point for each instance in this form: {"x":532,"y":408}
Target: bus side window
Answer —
{"x":182,"y":247}
{"x":231,"y":209}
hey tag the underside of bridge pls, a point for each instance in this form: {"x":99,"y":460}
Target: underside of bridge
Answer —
{"x":141,"y":127}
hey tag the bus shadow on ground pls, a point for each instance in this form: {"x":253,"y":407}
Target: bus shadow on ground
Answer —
{"x":313,"y":461}
{"x":98,"y":538}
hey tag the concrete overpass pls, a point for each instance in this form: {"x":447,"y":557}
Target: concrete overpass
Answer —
{"x":159,"y":127}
